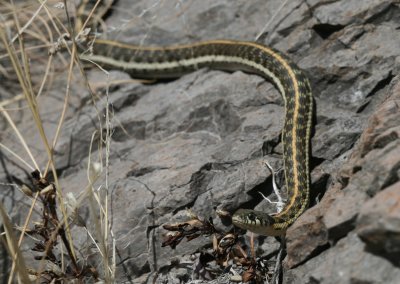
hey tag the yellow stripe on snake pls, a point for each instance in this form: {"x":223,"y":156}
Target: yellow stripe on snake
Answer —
{"x":230,"y":55}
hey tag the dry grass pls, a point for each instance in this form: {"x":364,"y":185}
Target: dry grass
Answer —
{"x":28,"y":31}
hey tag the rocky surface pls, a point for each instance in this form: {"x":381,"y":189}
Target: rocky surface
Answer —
{"x":200,"y":141}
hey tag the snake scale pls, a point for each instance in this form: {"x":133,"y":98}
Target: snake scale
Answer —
{"x":174,"y":61}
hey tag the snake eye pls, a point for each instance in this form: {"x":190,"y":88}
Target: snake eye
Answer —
{"x":252,"y":217}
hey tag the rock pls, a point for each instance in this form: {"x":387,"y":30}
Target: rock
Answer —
{"x":346,"y":262}
{"x":377,"y":149}
{"x":378,"y":224}
{"x":306,"y":237}
{"x":350,"y":12}
{"x":381,"y":131}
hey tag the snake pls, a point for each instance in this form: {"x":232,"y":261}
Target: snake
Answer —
{"x":163,"y":62}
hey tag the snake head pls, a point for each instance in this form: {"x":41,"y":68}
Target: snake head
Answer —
{"x":257,"y":222}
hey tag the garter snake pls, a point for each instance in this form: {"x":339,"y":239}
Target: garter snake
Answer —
{"x":174,"y":61}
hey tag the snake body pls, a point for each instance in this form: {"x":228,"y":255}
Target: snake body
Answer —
{"x":174,"y":61}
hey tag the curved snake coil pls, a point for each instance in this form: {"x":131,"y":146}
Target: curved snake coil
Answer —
{"x":174,"y":61}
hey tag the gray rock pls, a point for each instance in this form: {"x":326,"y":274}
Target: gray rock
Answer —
{"x":349,"y":12}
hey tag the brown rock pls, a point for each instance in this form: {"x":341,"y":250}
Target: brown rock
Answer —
{"x":379,"y":222}
{"x":382,"y":129}
{"x":308,"y":235}
{"x":346,"y":262}
{"x":340,"y":217}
